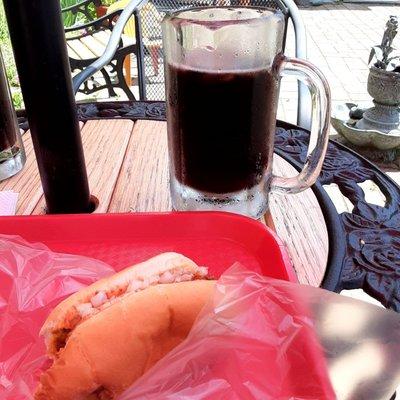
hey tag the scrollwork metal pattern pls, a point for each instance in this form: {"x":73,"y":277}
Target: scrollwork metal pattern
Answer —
{"x":153,"y":110}
{"x":371,"y":233}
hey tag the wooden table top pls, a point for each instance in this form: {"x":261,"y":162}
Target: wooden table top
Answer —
{"x":127,"y":165}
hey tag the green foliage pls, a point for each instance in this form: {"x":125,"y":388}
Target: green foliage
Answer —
{"x":69,"y":19}
{"x":11,"y":70}
{"x":8,"y":57}
{"x":3,"y":24}
{"x":104,"y":3}
{"x":17,"y":99}
{"x":108,"y":2}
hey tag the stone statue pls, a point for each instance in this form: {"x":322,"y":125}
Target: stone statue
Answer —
{"x":383,"y":54}
{"x":390,"y":31}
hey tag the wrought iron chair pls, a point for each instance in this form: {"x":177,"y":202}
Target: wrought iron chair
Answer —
{"x":152,"y":87}
{"x":86,"y":43}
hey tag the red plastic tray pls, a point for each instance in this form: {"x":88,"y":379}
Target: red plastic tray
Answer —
{"x":216,"y":240}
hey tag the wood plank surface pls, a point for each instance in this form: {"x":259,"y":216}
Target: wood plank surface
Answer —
{"x":105,"y":144}
{"x":27,"y":182}
{"x":299,"y":222}
{"x":102,"y":37}
{"x":72,"y":53}
{"x":93,"y":45}
{"x":143,"y":186}
{"x":143,"y":182}
{"x":128,"y":172}
{"x":79,"y":48}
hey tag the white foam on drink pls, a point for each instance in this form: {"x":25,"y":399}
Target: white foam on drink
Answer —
{"x":225,"y":39}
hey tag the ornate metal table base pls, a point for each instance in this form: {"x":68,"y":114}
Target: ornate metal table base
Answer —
{"x":364,"y":245}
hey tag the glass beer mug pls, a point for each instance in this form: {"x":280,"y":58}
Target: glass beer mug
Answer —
{"x":223,"y":67}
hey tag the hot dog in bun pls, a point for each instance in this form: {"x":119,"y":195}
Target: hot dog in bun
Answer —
{"x":107,"y":335}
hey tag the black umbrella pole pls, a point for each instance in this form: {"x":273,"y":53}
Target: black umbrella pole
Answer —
{"x":38,"y":40}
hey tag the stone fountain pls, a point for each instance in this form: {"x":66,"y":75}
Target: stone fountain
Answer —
{"x":377,"y":127}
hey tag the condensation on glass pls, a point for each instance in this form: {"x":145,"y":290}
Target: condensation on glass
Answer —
{"x":223,"y":68}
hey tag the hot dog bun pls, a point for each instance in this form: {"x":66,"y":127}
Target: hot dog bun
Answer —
{"x":78,"y":307}
{"x":106,"y":353}
{"x":107,"y":335}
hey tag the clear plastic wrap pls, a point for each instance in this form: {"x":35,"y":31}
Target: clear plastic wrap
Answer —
{"x":258,"y":338}
{"x":265,"y":339}
{"x":252,"y":341}
{"x":32,"y":281}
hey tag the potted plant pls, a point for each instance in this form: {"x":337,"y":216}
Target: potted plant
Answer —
{"x":384,"y":83}
{"x":102,"y":8}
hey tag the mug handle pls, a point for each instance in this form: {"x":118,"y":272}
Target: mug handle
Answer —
{"x":320,"y":120}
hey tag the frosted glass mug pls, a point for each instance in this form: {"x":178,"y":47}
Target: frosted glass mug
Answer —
{"x":223,"y":67}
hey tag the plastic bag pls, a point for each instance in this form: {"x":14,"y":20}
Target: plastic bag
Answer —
{"x":258,"y":338}
{"x":252,"y":341}
{"x":32,"y":281}
{"x":265,"y":339}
